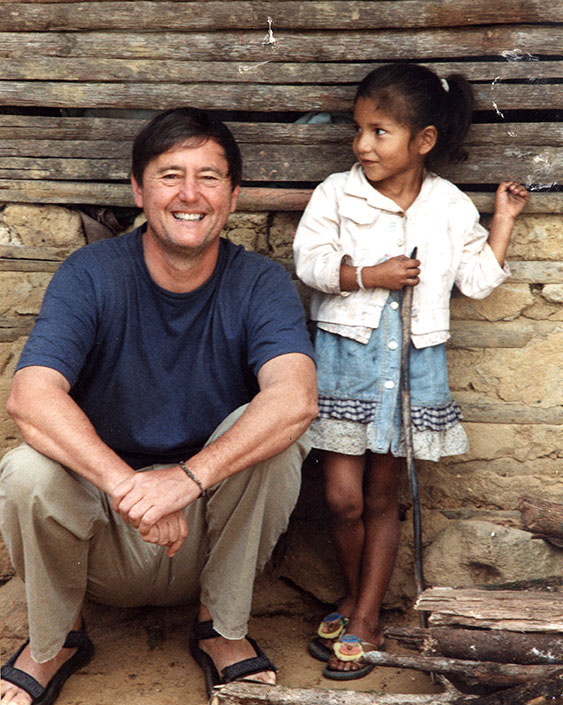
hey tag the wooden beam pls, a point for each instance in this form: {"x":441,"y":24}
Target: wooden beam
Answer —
{"x":251,"y":97}
{"x":251,"y":199}
{"x":248,"y":45}
{"x":39,"y":136}
{"x":292,"y":15}
{"x":56,"y":68}
{"x":279,"y":163}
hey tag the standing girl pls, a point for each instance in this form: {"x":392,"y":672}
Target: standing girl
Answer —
{"x":352,"y":247}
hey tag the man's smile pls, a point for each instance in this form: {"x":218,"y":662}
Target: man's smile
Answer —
{"x":178,"y":215}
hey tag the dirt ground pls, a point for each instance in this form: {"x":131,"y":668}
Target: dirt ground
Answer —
{"x":142,"y":657}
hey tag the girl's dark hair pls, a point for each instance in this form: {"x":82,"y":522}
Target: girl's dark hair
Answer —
{"x":415,"y":97}
{"x":170,"y":128}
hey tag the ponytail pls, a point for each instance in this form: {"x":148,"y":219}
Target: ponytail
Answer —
{"x":454,"y":121}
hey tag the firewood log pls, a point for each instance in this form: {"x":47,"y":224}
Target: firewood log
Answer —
{"x":548,"y":691}
{"x":544,"y":519}
{"x":483,"y":644}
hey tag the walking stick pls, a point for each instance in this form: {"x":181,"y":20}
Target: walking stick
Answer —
{"x":406,"y":312}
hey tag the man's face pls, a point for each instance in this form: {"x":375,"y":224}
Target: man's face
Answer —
{"x":186,"y":196}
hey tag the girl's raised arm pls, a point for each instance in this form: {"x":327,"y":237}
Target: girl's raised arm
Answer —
{"x":510,"y":199}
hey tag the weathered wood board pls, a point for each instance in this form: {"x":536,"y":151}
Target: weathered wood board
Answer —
{"x":251,"y":60}
{"x":514,"y":610}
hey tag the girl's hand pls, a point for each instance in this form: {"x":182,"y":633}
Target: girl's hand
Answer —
{"x":510,"y":199}
{"x":393,"y":274}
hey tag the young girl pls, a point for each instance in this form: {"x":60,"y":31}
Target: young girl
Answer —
{"x":352,"y":247}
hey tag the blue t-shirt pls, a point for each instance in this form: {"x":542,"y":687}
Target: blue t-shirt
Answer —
{"x":157,"y":371}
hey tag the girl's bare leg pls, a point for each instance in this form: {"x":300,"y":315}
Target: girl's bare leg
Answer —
{"x":380,"y":526}
{"x":345,"y":500}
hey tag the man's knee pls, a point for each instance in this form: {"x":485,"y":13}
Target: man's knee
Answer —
{"x":24,"y":472}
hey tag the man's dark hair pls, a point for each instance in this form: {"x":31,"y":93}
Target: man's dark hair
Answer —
{"x":171,"y":128}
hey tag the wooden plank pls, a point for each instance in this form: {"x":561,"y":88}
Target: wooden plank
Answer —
{"x":197,"y":16}
{"x":388,"y":45}
{"x":251,"y":97}
{"x":302,"y":163}
{"x":99,"y":137}
{"x":251,"y":198}
{"x":53,"y":68}
{"x":513,"y":610}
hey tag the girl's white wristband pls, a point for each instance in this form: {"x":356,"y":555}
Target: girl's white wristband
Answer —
{"x":359,"y":281}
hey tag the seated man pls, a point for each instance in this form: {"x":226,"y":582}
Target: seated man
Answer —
{"x":162,"y":396}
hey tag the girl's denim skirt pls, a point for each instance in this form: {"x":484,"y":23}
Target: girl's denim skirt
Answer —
{"x":360,"y":394}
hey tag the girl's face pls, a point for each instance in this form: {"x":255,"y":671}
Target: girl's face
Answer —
{"x":389,"y":154}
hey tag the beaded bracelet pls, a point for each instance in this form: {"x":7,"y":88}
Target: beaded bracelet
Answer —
{"x":190,"y":474}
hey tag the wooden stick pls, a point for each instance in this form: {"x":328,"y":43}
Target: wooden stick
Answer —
{"x":494,"y":675}
{"x":406,"y":312}
{"x":252,"y":694}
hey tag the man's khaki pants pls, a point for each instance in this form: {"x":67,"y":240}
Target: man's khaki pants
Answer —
{"x":67,"y":543}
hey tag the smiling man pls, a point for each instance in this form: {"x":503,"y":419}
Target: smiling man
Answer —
{"x":163,"y":397}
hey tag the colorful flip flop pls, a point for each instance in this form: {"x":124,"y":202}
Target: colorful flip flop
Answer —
{"x":330,"y":628}
{"x":349,"y":648}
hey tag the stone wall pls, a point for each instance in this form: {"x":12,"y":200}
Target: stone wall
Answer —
{"x":505,"y":359}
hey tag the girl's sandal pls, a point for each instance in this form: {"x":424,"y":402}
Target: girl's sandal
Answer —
{"x":349,"y":649}
{"x":330,"y":629}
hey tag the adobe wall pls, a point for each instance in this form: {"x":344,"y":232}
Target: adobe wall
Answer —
{"x":505,"y":361}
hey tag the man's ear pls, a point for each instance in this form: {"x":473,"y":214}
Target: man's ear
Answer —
{"x":137,"y":192}
{"x":427,"y":139}
{"x":234,"y":196}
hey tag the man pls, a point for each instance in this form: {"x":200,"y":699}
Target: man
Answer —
{"x":168,"y":350}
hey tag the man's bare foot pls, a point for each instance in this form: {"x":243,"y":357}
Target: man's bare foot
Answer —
{"x":225,"y":652}
{"x":42,"y":672}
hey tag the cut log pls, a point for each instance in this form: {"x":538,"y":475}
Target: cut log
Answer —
{"x":544,"y":519}
{"x":249,"y":694}
{"x":542,"y":692}
{"x":484,"y":644}
{"x":493,"y":609}
{"x":472,"y":673}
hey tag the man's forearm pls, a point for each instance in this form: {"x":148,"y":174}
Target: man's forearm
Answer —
{"x":279,"y":414}
{"x":52,"y":423}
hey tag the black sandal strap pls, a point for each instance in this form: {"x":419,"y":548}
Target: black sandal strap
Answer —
{"x":204,"y":630}
{"x":76,"y":638}
{"x":22,"y":679}
{"x":249,"y":666}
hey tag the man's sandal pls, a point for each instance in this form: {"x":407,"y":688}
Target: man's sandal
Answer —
{"x":349,"y":649}
{"x":47,"y":695}
{"x":237,"y":671}
{"x":329,"y":629}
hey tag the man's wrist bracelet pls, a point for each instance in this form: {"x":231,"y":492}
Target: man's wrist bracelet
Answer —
{"x":190,"y":474}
